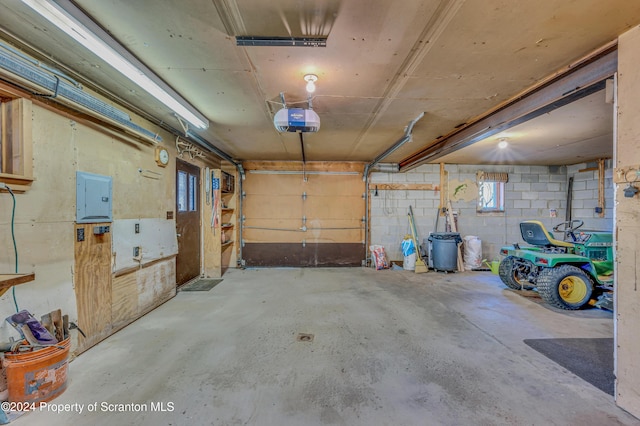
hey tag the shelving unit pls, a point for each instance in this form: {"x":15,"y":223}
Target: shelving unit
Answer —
{"x":228,"y":220}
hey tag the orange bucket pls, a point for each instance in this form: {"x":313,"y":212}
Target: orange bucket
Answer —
{"x":37,"y":376}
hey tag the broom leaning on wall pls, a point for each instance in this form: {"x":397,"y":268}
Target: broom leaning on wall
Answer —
{"x":421,"y":267}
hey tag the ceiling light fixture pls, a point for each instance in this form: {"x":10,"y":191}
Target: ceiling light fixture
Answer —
{"x":64,"y":15}
{"x":503,"y":143}
{"x":281,"y":41}
{"x":311,"y":82}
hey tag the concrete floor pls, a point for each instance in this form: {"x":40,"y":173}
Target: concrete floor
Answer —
{"x":389,"y":348}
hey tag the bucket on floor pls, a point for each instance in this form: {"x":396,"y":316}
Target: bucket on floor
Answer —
{"x":37,"y":376}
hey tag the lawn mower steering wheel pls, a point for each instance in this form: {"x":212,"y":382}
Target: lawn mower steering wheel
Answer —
{"x":569,"y":227}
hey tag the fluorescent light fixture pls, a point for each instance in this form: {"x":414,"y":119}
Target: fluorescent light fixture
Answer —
{"x":281,"y":41}
{"x":311,"y":82}
{"x":68,"y":18}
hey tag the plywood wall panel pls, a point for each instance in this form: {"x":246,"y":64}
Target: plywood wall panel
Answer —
{"x":156,"y":284}
{"x":93,"y":284}
{"x":45,"y":214}
{"x":627,"y":231}
{"x":141,"y":290}
{"x":124,"y":299}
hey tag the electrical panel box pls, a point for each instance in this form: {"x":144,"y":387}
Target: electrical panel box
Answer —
{"x":93,"y":198}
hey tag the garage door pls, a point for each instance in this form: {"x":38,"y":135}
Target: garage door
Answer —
{"x":310,"y":219}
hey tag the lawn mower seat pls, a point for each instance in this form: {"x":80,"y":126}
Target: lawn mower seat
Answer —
{"x":534,"y":233}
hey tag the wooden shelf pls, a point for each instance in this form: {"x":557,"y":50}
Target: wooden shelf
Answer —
{"x":228,"y":227}
{"x":9,"y":280}
{"x":227,"y":183}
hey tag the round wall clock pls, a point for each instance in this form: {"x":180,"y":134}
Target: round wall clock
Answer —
{"x":162,"y":156}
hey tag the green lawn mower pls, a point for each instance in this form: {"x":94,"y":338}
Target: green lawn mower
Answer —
{"x":566,"y":273}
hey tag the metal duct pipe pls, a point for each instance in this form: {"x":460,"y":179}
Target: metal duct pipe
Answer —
{"x":386,"y":168}
{"x":367,"y":171}
{"x":398,"y":144}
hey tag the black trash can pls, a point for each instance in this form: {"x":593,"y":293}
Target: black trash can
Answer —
{"x":444,"y":250}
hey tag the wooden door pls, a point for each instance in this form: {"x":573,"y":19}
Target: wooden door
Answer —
{"x":187,"y":221}
{"x":93,"y":282}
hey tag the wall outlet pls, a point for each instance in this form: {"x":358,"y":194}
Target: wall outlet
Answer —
{"x":137,"y":228}
{"x":136,"y":251}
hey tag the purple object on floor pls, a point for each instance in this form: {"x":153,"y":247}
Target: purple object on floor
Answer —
{"x":41,"y":334}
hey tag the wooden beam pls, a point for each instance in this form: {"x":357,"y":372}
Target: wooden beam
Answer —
{"x":601,"y":187}
{"x":9,"y":280}
{"x":404,"y":186}
{"x":444,"y":186}
{"x":309,"y":166}
{"x":562,"y":88}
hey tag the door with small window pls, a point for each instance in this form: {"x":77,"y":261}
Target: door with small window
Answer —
{"x":187,"y":221}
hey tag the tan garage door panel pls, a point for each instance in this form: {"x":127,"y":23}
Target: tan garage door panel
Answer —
{"x":293,"y":222}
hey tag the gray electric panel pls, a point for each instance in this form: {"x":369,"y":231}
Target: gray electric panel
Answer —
{"x":93,"y":198}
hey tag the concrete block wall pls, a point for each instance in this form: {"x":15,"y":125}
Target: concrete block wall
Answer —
{"x":585,"y":195}
{"x":532,"y":192}
{"x":389,"y":221}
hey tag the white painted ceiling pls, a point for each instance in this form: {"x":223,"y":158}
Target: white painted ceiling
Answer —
{"x":385,"y":62}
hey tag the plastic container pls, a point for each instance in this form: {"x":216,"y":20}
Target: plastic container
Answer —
{"x":39,"y":375}
{"x":445,"y":250}
{"x":409,"y":263}
{"x":494,"y":266}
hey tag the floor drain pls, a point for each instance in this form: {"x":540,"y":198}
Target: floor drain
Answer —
{"x":304,"y":337}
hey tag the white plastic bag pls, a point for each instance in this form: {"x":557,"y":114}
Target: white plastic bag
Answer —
{"x":407,"y":246}
{"x":472,"y":252}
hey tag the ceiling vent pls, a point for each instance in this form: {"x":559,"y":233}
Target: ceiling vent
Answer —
{"x":296,"y":120}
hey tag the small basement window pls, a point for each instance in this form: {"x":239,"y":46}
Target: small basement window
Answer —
{"x":491,"y":191}
{"x":16,"y":162}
